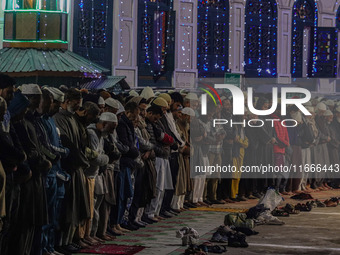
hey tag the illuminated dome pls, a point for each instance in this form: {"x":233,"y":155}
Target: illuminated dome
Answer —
{"x":36,"y":23}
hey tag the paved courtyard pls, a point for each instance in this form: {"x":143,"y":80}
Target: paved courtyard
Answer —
{"x":315,"y":232}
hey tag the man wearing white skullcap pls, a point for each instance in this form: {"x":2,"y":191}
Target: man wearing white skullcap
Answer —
{"x":321,"y":108}
{"x":147,"y":93}
{"x":322,"y":155}
{"x":30,"y":89}
{"x":188,"y":111}
{"x":111,"y":105}
{"x":56,"y":176}
{"x":191,"y":100}
{"x":97,"y":132}
{"x":330,"y":104}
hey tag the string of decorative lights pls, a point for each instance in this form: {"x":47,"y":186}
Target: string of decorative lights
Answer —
{"x":206,"y":47}
{"x":259,"y":61}
{"x":216,"y":65}
{"x":314,"y":67}
{"x":146,"y":37}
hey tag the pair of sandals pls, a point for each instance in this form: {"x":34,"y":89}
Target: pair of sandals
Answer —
{"x":290,"y":209}
{"x":205,"y":248}
{"x":303,"y":207}
{"x":280,"y":213}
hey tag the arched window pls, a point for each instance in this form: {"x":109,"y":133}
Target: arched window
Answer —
{"x":156,"y":33}
{"x":261,"y":34}
{"x":92,"y":30}
{"x":212,"y":37}
{"x":304,"y":38}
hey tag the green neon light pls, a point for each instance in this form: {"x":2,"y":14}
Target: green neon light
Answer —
{"x":34,"y":10}
{"x":208,"y":92}
{"x":34,"y":41}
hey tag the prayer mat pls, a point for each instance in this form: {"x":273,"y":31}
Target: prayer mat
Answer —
{"x":231,"y":210}
{"x":113,"y":249}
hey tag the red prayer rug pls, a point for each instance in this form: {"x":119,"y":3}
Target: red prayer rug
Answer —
{"x":113,"y":249}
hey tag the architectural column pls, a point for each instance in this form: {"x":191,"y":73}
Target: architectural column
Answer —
{"x":284,"y":39}
{"x":327,"y":12}
{"x":185,"y":43}
{"x":124,"y":61}
{"x":236,"y":36}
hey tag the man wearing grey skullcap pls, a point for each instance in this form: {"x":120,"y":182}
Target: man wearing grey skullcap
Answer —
{"x":322,"y":155}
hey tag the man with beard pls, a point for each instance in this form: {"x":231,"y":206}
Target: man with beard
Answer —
{"x":321,"y":155}
{"x":161,"y":141}
{"x":182,"y":121}
{"x":266,"y":137}
{"x":144,"y":176}
{"x":6,"y":92}
{"x":75,"y":205}
{"x":86,"y":115}
{"x":97,"y":132}
{"x":227,"y":146}
{"x":17,"y":170}
{"x":126,"y":135}
{"x":168,"y":121}
{"x":32,"y":213}
{"x":55,"y":190}
{"x":335,"y":127}
{"x":333,"y":146}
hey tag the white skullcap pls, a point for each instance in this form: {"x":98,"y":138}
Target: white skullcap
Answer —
{"x":310,"y":109}
{"x":328,"y":113}
{"x":147,"y":93}
{"x":112,"y":102}
{"x":133,"y":93}
{"x":101,"y":100}
{"x":30,"y":89}
{"x":338,"y":103}
{"x":191,"y":96}
{"x":188,"y":111}
{"x":337,"y":109}
{"x":321,"y":106}
{"x":109,"y":117}
{"x":329,"y":102}
{"x":121,"y":108}
{"x":157,"y":94}
{"x":56,"y":93}
{"x":183,"y":92}
{"x":309,"y":103}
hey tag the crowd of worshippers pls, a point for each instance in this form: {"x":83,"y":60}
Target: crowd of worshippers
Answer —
{"x":78,"y":168}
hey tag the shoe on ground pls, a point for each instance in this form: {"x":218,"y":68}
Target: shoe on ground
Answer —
{"x":172,"y":213}
{"x":154,"y":219}
{"x":165,"y":215}
{"x":208,"y":202}
{"x":148,"y":220}
{"x":138,"y":225}
{"x":70,"y":248}
{"x":251,"y":197}
{"x":242,"y":198}
{"x":175,"y":210}
{"x":129,"y":226}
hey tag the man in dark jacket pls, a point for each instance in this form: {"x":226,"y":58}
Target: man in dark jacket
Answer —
{"x":126,"y":135}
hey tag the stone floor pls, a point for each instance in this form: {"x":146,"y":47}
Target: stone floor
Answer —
{"x":316,"y":232}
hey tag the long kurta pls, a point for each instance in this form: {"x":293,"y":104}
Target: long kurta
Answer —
{"x":75,"y":204}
